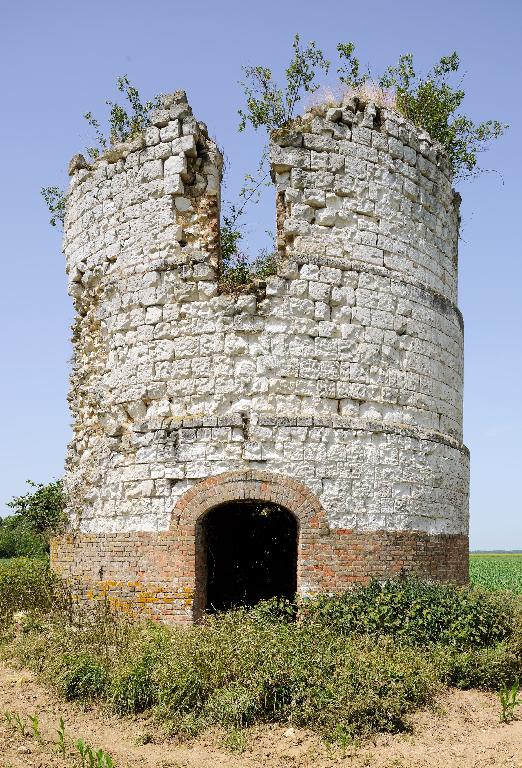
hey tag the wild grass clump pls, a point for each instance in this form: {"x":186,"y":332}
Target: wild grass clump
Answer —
{"x":133,"y":688}
{"x":346,"y":666}
{"x":26,"y":584}
{"x":81,"y":677}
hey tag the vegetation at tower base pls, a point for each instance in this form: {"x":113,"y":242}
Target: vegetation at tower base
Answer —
{"x":38,"y":515}
{"x":346,"y":666}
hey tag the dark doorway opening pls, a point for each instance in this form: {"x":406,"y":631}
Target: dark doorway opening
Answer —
{"x":251,"y":554}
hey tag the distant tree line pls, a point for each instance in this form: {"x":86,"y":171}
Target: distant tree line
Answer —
{"x":37,"y":516}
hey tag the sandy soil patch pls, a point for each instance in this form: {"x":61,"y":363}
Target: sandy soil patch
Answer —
{"x":461,"y":731}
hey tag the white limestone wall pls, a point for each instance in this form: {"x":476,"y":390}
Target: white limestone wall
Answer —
{"x":362,"y":183}
{"x":344,"y":369}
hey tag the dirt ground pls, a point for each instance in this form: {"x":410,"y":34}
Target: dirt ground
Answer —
{"x":461,"y":731}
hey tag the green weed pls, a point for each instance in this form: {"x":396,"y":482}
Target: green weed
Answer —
{"x":508,"y":696}
{"x":19,"y":724}
{"x":132,"y":689}
{"x":60,"y":742}
{"x":93,"y":758}
{"x":81,"y":747}
{"x":235,"y":740}
{"x":35,"y":726}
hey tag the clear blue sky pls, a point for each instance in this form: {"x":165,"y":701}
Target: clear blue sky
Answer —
{"x":59,"y":59}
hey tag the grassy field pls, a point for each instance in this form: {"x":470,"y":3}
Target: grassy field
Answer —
{"x":496,"y":571}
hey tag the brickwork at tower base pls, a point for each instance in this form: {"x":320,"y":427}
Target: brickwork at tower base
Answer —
{"x":151,"y":574}
{"x":162,"y":574}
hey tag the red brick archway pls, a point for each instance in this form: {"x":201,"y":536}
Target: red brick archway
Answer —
{"x":215,"y":491}
{"x":155,"y":572}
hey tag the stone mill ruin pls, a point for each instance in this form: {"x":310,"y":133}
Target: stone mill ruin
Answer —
{"x":298,"y":436}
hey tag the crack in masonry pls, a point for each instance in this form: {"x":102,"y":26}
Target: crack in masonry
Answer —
{"x":245,"y":425}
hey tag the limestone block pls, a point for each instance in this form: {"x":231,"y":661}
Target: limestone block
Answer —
{"x":314,"y":198}
{"x":304,"y":212}
{"x":150,"y":170}
{"x":171,"y":131}
{"x":160,"y":117}
{"x":285,"y":158}
{"x":185,"y":145}
{"x":152,"y":136}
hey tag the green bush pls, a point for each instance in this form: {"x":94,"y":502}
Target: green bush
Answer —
{"x":237,"y":269}
{"x":234,"y":670}
{"x":346,"y":666}
{"x":25,"y":584}
{"x":38,"y":515}
{"x":416,"y":612}
{"x":41,"y":511}
{"x":19,"y":539}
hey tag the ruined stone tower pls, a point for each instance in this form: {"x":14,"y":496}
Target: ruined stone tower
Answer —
{"x":331,"y":392}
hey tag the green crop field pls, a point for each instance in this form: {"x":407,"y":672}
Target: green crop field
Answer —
{"x":496,"y":571}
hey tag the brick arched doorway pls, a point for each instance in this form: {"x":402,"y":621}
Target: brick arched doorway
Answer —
{"x":244,"y":491}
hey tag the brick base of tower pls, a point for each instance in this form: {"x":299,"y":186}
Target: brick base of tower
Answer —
{"x":163,"y":574}
{"x":154,"y":573}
